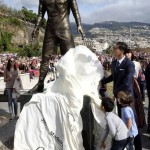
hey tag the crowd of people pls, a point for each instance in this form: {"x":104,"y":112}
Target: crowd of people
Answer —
{"x":25,"y":64}
{"x":11,"y":66}
{"x":29,"y":64}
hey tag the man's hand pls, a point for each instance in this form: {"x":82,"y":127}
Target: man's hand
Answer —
{"x":80,"y":30}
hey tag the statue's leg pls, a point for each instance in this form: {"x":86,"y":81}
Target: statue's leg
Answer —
{"x":49,"y":48}
{"x":66,"y":41}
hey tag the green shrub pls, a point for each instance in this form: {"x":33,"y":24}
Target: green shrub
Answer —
{"x":15,"y":22}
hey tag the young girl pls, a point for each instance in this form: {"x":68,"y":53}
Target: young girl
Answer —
{"x":127,"y":115}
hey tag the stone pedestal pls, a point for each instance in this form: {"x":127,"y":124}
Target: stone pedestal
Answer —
{"x":88,"y":124}
{"x":23,"y":99}
{"x":2,"y":84}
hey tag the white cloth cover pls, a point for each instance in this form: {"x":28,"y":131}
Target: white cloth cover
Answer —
{"x":51,"y":120}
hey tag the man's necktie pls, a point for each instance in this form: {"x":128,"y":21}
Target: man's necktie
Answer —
{"x":117,"y":66}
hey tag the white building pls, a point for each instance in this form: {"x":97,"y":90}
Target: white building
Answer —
{"x":92,"y":44}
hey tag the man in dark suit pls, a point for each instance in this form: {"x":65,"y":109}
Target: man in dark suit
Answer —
{"x":122,"y":71}
{"x":122,"y":75}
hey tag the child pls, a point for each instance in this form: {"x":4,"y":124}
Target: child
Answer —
{"x":127,"y":115}
{"x":115,"y":126}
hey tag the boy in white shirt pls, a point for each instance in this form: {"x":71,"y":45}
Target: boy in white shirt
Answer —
{"x":115,"y":126}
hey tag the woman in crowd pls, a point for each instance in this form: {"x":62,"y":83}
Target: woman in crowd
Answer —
{"x":10,"y":74}
{"x":147,"y":79}
{"x":142,"y":82}
{"x":137,"y":92}
{"x":137,"y":103}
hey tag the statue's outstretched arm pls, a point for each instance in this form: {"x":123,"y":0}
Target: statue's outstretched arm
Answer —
{"x":41,"y":13}
{"x":75,"y":11}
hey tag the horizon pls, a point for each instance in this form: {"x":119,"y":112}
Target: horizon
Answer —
{"x":115,"y":22}
{"x":97,"y":11}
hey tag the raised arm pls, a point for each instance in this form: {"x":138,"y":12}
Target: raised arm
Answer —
{"x":75,"y":11}
{"x":41,"y":13}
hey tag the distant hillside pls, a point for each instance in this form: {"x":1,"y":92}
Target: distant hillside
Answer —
{"x":111,"y":25}
{"x":16,"y":29}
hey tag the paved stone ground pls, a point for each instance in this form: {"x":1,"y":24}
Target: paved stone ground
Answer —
{"x":7,"y":129}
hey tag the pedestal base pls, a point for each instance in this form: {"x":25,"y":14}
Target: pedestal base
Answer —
{"x":88,"y":124}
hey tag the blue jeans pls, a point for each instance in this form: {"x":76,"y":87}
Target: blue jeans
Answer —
{"x":130,"y":144}
{"x":12,"y":103}
{"x":119,"y":145}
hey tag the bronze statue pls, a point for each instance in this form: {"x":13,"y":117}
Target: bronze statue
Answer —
{"x":58,"y":31}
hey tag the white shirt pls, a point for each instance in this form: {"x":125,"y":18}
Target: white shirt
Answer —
{"x":121,"y":60}
{"x":137,"y":68}
{"x":116,"y":127}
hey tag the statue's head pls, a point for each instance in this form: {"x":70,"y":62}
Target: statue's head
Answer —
{"x":79,"y":72}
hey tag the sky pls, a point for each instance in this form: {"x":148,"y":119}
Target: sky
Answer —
{"x":95,"y":11}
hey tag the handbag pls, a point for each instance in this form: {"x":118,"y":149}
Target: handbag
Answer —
{"x":16,"y":88}
{"x":15,"y":95}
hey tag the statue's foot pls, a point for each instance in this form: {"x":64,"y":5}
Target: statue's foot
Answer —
{"x":37,"y":88}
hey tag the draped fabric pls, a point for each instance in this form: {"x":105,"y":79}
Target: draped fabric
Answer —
{"x":52,"y":120}
{"x":138,"y":104}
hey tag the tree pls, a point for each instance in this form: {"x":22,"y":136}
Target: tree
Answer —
{"x":29,"y":15}
{"x":30,"y":50}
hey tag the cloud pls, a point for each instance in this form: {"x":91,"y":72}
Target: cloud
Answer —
{"x":30,"y":3}
{"x":89,"y":1}
{"x":18,"y":4}
{"x":120,"y":10}
{"x":92,"y":11}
